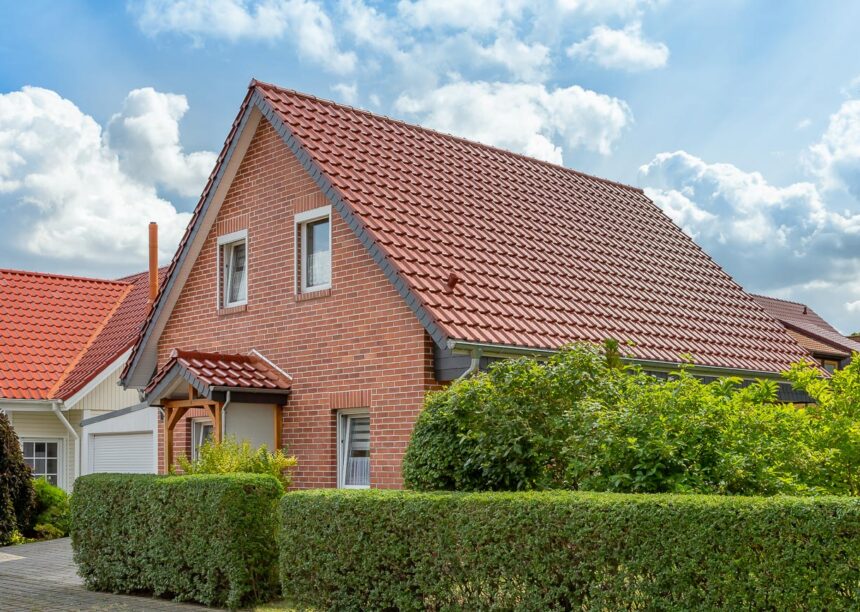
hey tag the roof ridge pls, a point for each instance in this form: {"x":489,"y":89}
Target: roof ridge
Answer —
{"x":63,"y":276}
{"x":307,"y":96}
{"x":93,"y":337}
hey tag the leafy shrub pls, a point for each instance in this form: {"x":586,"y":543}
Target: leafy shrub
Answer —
{"x":203,"y":538}
{"x":230,"y":457}
{"x":579,"y":422}
{"x":16,"y":486}
{"x":377,"y":550}
{"x":51,"y":511}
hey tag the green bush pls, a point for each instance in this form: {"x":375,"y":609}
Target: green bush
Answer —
{"x":576,"y":422}
{"x":232,"y":457}
{"x":51,"y":514}
{"x":395,"y":550}
{"x":16,"y":485}
{"x":207,"y":538}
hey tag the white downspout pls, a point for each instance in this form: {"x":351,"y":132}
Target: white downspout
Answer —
{"x":473,"y":366}
{"x":224,"y":416}
{"x":55,"y":406}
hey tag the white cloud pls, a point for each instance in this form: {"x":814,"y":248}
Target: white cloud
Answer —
{"x":72,"y":198}
{"x":145,"y":137}
{"x":371,"y":27}
{"x":836,"y":158}
{"x":348,"y":92}
{"x":303,"y":21}
{"x":460,"y":14}
{"x":525,"y":61}
{"x":606,"y":8}
{"x":803,"y":123}
{"x":620,"y":49}
{"x":523,"y":117}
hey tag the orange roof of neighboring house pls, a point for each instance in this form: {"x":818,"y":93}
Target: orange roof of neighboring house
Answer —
{"x":493,"y":247}
{"x":811,"y":331}
{"x":58,"y":332}
{"x":219,"y":370}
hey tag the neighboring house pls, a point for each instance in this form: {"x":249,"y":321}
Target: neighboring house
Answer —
{"x":826,"y":345}
{"x":63,"y":341}
{"x":341,"y":264}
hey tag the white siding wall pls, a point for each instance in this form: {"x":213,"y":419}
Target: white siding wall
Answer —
{"x":107,"y":396}
{"x":46,"y":425}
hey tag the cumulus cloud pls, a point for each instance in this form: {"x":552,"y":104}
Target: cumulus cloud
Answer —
{"x":348,"y":92}
{"x":835,"y":159}
{"x":527,"y":118}
{"x":69,"y":190}
{"x":620,"y":49}
{"x":460,"y":14}
{"x":145,"y":137}
{"x":303,"y":21}
{"x":525,"y":61}
{"x":606,"y":8}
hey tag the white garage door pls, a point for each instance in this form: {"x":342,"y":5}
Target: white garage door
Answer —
{"x":131,"y":453}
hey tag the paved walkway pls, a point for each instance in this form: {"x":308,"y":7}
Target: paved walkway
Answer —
{"x":41,"y":576}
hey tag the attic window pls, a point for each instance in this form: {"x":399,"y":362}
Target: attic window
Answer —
{"x":233,"y":257}
{"x":313,"y":252}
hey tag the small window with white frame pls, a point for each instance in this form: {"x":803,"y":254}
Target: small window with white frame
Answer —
{"x":353,"y":429}
{"x":233,"y":273}
{"x":313,"y":249}
{"x":201,"y":432}
{"x":43,"y":457}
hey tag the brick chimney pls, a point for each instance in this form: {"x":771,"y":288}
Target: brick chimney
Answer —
{"x":153,"y":261}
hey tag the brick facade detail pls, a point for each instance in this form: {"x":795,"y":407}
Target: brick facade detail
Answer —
{"x":355,"y":345}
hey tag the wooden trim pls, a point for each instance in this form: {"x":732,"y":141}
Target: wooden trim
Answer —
{"x":279,"y":420}
{"x":200,"y":402}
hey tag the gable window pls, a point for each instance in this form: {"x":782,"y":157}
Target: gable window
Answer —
{"x":201,"y":432}
{"x":830,"y":365}
{"x":313,"y":230}
{"x":353,"y":450}
{"x":43,"y":457}
{"x":233,"y":258}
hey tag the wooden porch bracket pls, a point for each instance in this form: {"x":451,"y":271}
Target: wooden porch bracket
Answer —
{"x":279,"y":419}
{"x":174,"y":410}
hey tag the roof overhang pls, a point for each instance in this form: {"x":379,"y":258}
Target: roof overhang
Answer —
{"x":20,"y":405}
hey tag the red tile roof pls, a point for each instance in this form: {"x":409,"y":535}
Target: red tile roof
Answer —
{"x":544,"y":255}
{"x":250,"y":371}
{"x":817,"y":334}
{"x":58,"y":332}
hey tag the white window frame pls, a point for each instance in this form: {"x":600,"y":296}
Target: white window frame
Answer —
{"x":223,"y":241}
{"x":61,"y":457}
{"x":343,"y":417}
{"x":300,"y":247}
{"x":195,"y":445}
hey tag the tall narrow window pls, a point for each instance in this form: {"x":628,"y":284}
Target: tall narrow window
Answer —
{"x":313,"y":249}
{"x":354,"y":451}
{"x":201,"y":432}
{"x":233,"y":254}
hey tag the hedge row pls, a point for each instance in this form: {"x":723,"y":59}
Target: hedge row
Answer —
{"x":209,"y":539}
{"x":350,"y":550}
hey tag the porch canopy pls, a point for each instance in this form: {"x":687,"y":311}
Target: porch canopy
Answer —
{"x":193,"y":379}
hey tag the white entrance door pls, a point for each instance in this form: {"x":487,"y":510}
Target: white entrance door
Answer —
{"x":129,"y":453}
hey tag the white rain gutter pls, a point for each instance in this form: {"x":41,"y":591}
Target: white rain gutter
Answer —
{"x":224,"y":416}
{"x":55,"y":406}
{"x":474,"y":365}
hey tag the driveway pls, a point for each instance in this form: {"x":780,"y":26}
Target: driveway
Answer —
{"x":42,"y":576}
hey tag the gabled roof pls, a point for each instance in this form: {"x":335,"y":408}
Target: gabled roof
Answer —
{"x":812,"y":332}
{"x":58,"y":332}
{"x":492,"y":247}
{"x":211,"y":371}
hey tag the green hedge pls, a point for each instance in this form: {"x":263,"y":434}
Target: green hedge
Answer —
{"x":209,"y":539}
{"x":357,"y":550}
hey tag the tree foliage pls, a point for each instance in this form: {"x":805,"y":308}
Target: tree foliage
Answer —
{"x":577,"y":421}
{"x":16,"y":484}
{"x":230,"y":456}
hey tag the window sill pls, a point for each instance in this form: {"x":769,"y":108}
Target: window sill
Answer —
{"x":232,"y":309}
{"x":312,"y":295}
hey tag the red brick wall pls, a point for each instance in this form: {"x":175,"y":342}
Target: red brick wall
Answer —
{"x":358,"y":344}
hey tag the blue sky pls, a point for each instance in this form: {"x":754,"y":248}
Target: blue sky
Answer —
{"x":740,"y":119}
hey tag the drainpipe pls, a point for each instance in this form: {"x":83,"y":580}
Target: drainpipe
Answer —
{"x":473,"y":366}
{"x":55,"y":406}
{"x":224,"y":416}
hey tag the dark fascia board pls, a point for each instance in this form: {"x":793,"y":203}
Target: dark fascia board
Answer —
{"x":352,"y":220}
{"x":114,"y":414}
{"x":170,"y":282}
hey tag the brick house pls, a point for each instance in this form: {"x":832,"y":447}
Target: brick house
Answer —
{"x":825,"y":344}
{"x":340,"y":264}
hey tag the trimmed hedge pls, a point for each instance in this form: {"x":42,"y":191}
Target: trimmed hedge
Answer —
{"x":357,"y":550}
{"x":207,"y":538}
